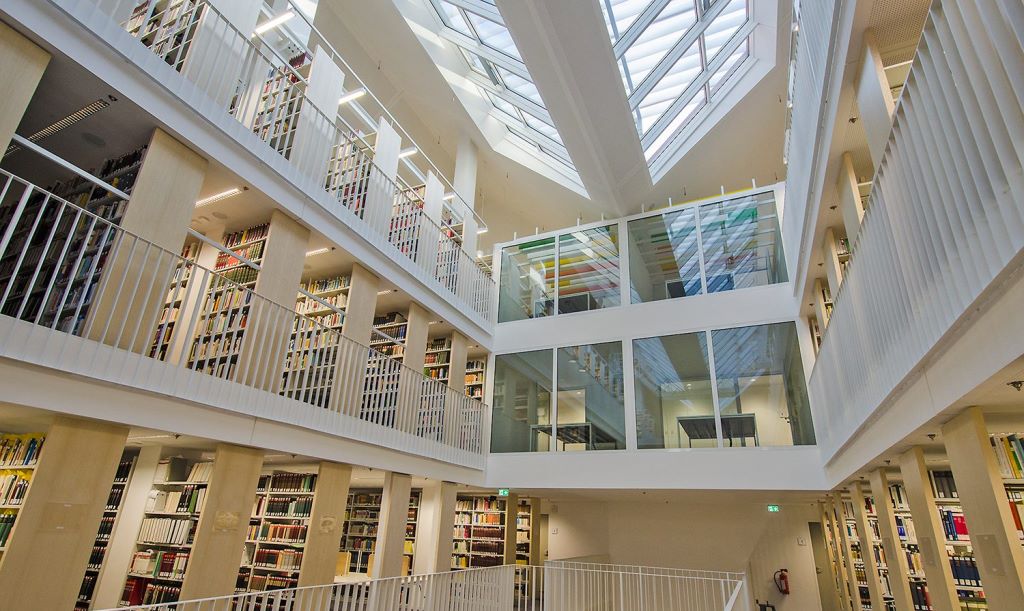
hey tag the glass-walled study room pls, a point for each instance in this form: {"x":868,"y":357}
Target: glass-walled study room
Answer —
{"x":735,"y":387}
{"x":727,"y":244}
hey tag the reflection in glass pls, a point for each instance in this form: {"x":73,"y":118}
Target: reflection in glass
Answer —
{"x":674,"y":403}
{"x":663,"y":256}
{"x":762,"y":396}
{"x":591,"y":412}
{"x":521,"y":416}
{"x":527,"y":288}
{"x":741,"y":242}
{"x":588,"y":270}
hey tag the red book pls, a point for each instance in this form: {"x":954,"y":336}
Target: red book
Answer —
{"x":1016,"y":516}
{"x":960,"y":524}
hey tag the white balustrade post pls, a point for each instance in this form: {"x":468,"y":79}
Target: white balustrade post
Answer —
{"x":430,"y":237}
{"x":220,"y":44}
{"x":380,"y":200}
{"x":314,"y":134}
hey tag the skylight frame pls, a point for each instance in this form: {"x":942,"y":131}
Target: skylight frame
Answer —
{"x":499,"y":67}
{"x":653,"y":136}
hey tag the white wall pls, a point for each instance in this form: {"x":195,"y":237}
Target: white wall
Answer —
{"x":723,"y":534}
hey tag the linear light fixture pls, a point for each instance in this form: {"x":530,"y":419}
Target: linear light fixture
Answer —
{"x":273,"y":22}
{"x":409,"y":152}
{"x":318,"y":251}
{"x":206,"y":201}
{"x":86,"y":111}
{"x":351,"y":95}
{"x":481,"y":230}
{"x":449,"y":196}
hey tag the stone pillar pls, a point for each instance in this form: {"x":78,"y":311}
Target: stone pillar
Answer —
{"x":350,"y":370}
{"x":849,"y":198}
{"x":930,"y":535}
{"x":22,"y":64}
{"x":894,"y":556}
{"x":220,"y":535}
{"x":380,"y":199}
{"x":413,"y":404}
{"x":997,"y":547}
{"x":511,"y":509}
{"x":845,"y":549}
{"x":265,"y":342}
{"x":841,"y":590}
{"x":874,"y":99}
{"x":320,"y":554}
{"x":361,"y":305}
{"x":820,"y":312}
{"x":434,"y":533}
{"x":49,"y":549}
{"x":394,"y":512}
{"x":833,"y":267}
{"x":465,"y":187}
{"x":867,"y":544}
{"x":315,"y":133}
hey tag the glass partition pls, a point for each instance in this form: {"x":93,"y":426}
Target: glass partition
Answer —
{"x":762,"y":395}
{"x":591,"y":410}
{"x":588,"y":269}
{"x":527,"y":283}
{"x":664,"y":258}
{"x":521,"y":413}
{"x":675,"y":405}
{"x":741,"y":243}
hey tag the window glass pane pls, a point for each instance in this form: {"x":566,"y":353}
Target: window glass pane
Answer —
{"x":742,"y":244}
{"x":724,"y":71}
{"x":521,"y":416}
{"x":723,"y":27}
{"x":663,"y":256}
{"x":762,"y":395}
{"x":527,"y":281}
{"x":674,"y":403}
{"x":677,"y":123}
{"x":475,"y":62}
{"x":520,"y":85}
{"x":670,"y":87}
{"x":494,"y":35}
{"x":453,"y":17}
{"x":620,"y":14}
{"x":588,"y":270}
{"x":591,"y":413}
{"x":651,"y":46}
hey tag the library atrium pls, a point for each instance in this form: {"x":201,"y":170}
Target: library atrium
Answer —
{"x":512,"y":305}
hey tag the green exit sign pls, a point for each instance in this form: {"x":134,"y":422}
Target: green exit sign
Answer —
{"x":773,"y":509}
{"x":502,"y":491}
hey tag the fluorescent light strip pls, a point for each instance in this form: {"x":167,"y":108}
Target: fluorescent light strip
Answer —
{"x":206,"y":201}
{"x":355,"y":94}
{"x":409,"y":152}
{"x":272,"y":23}
{"x":66,"y":122}
{"x":449,"y":197}
{"x":318,"y":251}
{"x":481,"y":230}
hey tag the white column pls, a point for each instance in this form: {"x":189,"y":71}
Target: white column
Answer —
{"x":874,"y":99}
{"x":833,"y":267}
{"x":380,"y":200}
{"x":394,"y":512}
{"x":433,"y":204}
{"x":465,"y":187}
{"x":849,"y":198}
{"x":218,"y":52}
{"x":434,"y":532}
{"x":315,"y":132}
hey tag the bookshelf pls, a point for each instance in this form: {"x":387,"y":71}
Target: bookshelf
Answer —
{"x":359,"y":535}
{"x":348,"y":175}
{"x":88,"y":244}
{"x":19,"y":455}
{"x":280,"y":102}
{"x":394,"y":326}
{"x":166,"y":27}
{"x":380,"y":394}
{"x":404,"y":231}
{"x":332,"y":290}
{"x":277,"y":533}
{"x":437,"y":359}
{"x":174,"y":302}
{"x":966,"y":575}
{"x":310,"y":364}
{"x":524,"y":525}
{"x":908,"y":545}
{"x":223,"y":319}
{"x":164,"y":542}
{"x":864,"y":543}
{"x":108,"y":522}
{"x":479,"y":535}
{"x":475,"y":370}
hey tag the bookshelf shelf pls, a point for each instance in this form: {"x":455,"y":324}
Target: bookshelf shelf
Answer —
{"x":359,"y":533}
{"x":108,"y":522}
{"x":277,"y":531}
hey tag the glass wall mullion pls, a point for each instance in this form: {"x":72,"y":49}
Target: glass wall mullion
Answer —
{"x":700,"y":255}
{"x":714,"y":387}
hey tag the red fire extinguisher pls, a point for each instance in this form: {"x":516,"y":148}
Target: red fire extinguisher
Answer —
{"x":782,"y":580}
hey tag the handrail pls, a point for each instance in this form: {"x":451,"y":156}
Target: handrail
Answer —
{"x":71,"y":270}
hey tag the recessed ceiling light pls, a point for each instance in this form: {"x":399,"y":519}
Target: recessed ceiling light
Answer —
{"x":273,"y":22}
{"x":86,"y":111}
{"x":409,"y":152}
{"x":318,"y":251}
{"x":351,"y":95}
{"x":206,"y":201}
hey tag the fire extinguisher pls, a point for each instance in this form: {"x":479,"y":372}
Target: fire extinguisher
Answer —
{"x":781,"y":578}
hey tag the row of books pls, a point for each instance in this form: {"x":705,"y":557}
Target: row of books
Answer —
{"x":215,"y":348}
{"x":176,"y":469}
{"x":480,"y":504}
{"x":954,"y":525}
{"x":13,"y":487}
{"x":260,"y":583}
{"x":240,"y":275}
{"x":288,"y":482}
{"x":106,"y":528}
{"x":943,"y":484}
{"x":327,"y":284}
{"x":919,"y":596}
{"x":339,"y":301}
{"x":965,"y":570}
{"x":6,"y":525}
{"x":905,"y":529}
{"x":114,"y":498}
{"x":144,"y":592}
{"x":252,"y":252}
{"x":251,"y":234}
{"x":1009,"y":455}
{"x":164,"y":564}
{"x":391,"y":318}
{"x":175,"y":531}
{"x":189,"y":499}
{"x":225,"y":300}
{"x":282,"y":533}
{"x":278,"y":559}
{"x":20,"y":450}
{"x":439,"y":343}
{"x":288,"y":507}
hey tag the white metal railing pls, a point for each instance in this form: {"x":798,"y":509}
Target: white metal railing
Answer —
{"x":946,"y":216}
{"x":268,"y":94}
{"x":552,"y":587}
{"x":68,"y":270}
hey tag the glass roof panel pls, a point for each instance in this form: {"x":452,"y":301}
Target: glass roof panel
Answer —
{"x":724,"y":26}
{"x":670,"y":87}
{"x":718,"y":78}
{"x":643,"y":55}
{"x":620,"y":14}
{"x":453,"y":18}
{"x":520,"y":85}
{"x":494,"y":35}
{"x":677,"y":123}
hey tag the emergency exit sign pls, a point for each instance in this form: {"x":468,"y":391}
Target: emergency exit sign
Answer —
{"x":773,"y":509}
{"x":502,"y":491}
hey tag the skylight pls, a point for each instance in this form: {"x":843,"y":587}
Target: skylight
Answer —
{"x":674,"y":57}
{"x":497,"y":68}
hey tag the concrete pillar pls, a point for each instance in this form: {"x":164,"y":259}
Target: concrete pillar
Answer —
{"x":833,"y":266}
{"x":380,"y":199}
{"x":840,"y":590}
{"x":315,"y":133}
{"x":867,"y":545}
{"x":465,"y":187}
{"x":849,"y":198}
{"x":265,"y":342}
{"x":218,"y":54}
{"x":459,"y":357}
{"x":361,"y":305}
{"x":394,"y":512}
{"x":846,"y":550}
{"x":220,"y":535}
{"x":133,"y":290}
{"x":430,"y":238}
{"x":434,"y":533}
{"x":193,"y":297}
{"x":511,"y":509}
{"x":820,"y":310}
{"x":320,"y":554}
{"x":49,"y":548}
{"x":121,"y":546}
{"x":930,"y":535}
{"x":416,"y":333}
{"x":22,"y":64}
{"x":350,"y":370}
{"x":874,"y":99}
{"x":994,"y":537}
{"x":894,"y":556}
